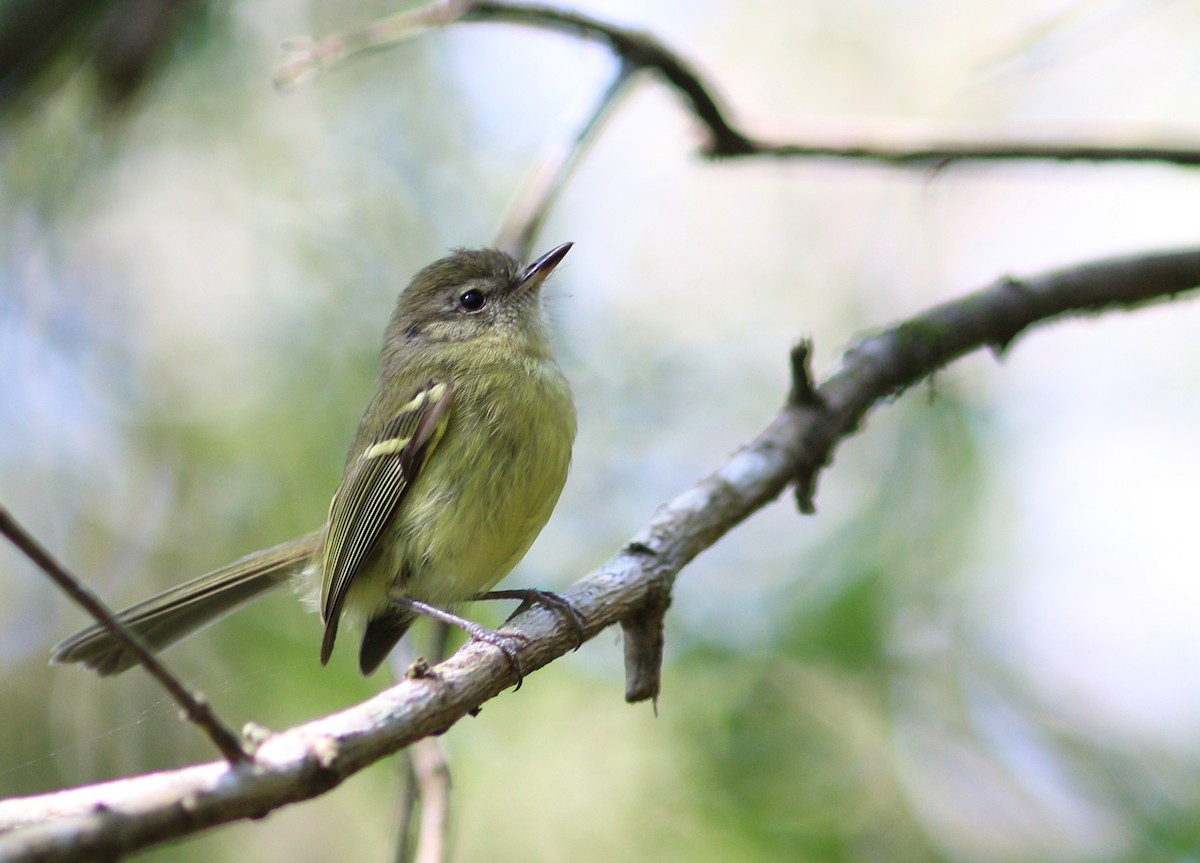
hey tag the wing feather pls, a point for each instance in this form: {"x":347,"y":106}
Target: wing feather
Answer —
{"x":371,"y":492}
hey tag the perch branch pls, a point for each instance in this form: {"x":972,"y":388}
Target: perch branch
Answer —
{"x":113,"y":818}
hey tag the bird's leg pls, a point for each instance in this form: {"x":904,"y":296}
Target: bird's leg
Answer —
{"x":499,"y":640}
{"x":549,"y":600}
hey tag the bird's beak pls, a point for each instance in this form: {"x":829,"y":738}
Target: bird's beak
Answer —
{"x":532,"y":276}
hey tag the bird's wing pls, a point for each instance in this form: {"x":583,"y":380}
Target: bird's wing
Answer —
{"x":371,"y":491}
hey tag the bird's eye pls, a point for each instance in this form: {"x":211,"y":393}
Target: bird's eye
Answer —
{"x":472,"y":300}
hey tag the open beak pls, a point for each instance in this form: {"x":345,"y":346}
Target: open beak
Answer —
{"x":532,"y":276}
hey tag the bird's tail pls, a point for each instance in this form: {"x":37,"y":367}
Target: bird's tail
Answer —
{"x":177,"y":613}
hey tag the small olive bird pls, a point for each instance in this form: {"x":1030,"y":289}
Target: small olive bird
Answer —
{"x":456,"y":466}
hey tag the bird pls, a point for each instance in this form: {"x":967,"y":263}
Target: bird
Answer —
{"x":456,"y":465}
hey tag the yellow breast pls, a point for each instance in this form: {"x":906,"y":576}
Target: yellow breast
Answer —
{"x":483,"y":496}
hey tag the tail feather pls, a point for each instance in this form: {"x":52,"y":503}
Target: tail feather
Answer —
{"x":381,"y":636}
{"x":177,"y":613}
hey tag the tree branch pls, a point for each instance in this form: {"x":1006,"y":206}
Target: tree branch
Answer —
{"x":112,"y":818}
{"x":423,"y":836}
{"x":643,"y":52}
{"x":194,"y":706}
{"x":527,"y":211}
{"x":432,"y":775}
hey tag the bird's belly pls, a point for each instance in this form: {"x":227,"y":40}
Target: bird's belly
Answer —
{"x":467,"y":535}
{"x":479,"y":501}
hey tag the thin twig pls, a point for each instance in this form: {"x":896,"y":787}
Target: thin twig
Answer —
{"x":119,"y":817}
{"x":433,"y":778}
{"x":641,"y":51}
{"x":409,"y":793}
{"x":937,"y":155}
{"x":195,"y":707}
{"x":311,"y":57}
{"x":527,"y":210}
{"x":425,"y":786}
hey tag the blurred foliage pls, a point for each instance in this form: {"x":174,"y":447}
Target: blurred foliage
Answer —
{"x":192,"y":290}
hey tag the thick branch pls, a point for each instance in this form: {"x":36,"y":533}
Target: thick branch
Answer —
{"x":640,"y":51}
{"x":117,"y":817}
